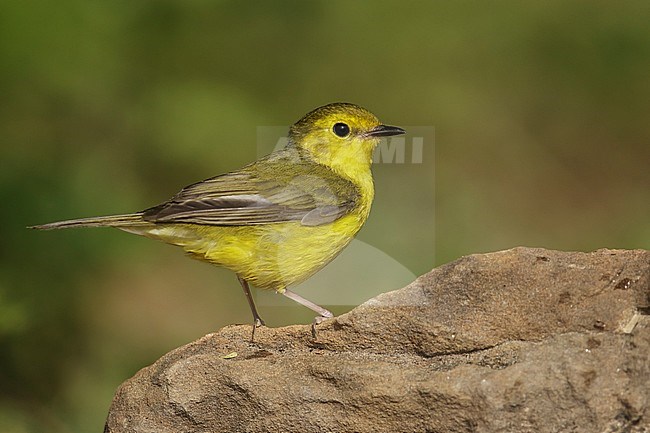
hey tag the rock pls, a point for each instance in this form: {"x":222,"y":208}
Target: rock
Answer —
{"x":523,"y":340}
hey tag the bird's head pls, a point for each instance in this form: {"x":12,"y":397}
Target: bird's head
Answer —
{"x":341,"y":136}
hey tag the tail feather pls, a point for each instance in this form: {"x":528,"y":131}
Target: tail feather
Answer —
{"x":126,"y":220}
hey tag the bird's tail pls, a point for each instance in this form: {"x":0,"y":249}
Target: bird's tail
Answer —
{"x":119,"y":221}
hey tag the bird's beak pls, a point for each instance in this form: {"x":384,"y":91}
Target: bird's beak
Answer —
{"x":384,"y":131}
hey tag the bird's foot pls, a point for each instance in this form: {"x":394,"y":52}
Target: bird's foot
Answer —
{"x":318,"y":320}
{"x":257,"y":323}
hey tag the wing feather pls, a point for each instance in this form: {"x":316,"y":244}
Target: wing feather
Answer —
{"x":264,"y":192}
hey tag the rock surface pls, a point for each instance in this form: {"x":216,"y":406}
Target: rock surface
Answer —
{"x":523,"y":340}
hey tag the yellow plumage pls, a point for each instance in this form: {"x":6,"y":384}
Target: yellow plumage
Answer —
{"x":279,"y":220}
{"x":268,"y":257}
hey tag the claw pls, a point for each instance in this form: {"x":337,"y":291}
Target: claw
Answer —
{"x":317,"y":321}
{"x":258,"y":322}
{"x":323,"y":313}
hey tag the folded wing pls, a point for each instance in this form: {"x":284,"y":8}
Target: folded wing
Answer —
{"x":266,"y":192}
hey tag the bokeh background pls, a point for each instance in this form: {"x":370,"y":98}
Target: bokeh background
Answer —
{"x":541,"y":114}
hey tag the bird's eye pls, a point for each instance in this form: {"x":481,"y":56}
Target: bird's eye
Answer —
{"x":341,"y":129}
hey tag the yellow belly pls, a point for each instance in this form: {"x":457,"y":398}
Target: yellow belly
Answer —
{"x":269,"y":256}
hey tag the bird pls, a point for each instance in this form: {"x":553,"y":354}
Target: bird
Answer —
{"x":278,"y":220}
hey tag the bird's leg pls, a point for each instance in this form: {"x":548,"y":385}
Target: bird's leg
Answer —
{"x":257,"y":320}
{"x":323,"y":313}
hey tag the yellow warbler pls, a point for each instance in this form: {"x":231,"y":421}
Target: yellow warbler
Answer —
{"x":277,"y":221}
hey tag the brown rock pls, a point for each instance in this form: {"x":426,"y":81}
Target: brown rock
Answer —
{"x":523,"y":340}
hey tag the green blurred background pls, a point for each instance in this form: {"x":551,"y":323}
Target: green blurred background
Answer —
{"x":541,"y":114}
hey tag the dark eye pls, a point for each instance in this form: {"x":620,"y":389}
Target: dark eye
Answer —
{"x":341,"y":129}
